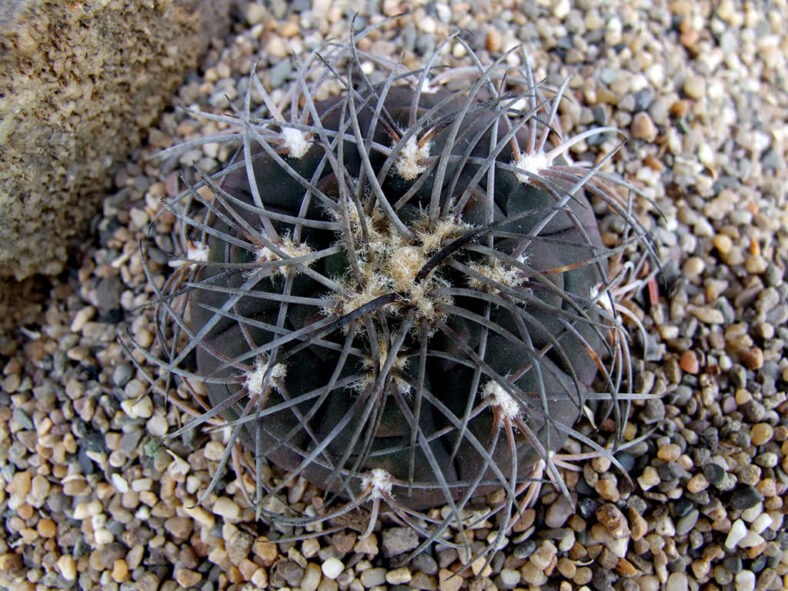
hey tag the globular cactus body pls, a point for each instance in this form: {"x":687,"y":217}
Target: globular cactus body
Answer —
{"x":399,"y":293}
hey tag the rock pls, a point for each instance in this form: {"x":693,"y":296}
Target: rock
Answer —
{"x":643,"y":127}
{"x":745,"y":497}
{"x":399,"y":540}
{"x":80,"y":83}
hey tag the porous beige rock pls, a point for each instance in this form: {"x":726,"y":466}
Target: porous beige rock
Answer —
{"x":79,"y":84}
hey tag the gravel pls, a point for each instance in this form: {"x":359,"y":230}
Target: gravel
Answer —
{"x":91,"y":495}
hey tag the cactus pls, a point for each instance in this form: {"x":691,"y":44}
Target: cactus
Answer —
{"x":399,"y":292}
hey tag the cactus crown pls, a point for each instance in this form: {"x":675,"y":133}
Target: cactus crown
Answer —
{"x":399,"y":293}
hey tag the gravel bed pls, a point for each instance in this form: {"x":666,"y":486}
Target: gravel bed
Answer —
{"x":92,"y":496}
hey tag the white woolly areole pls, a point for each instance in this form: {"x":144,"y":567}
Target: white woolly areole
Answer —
{"x":295,"y":141}
{"x":197,"y":252}
{"x":379,"y":481}
{"x":533,"y":163}
{"x":289,"y":247}
{"x":254,"y":379}
{"x":409,"y":164}
{"x":502,"y":400}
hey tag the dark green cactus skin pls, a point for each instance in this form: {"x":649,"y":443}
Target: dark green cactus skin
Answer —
{"x":539,"y":330}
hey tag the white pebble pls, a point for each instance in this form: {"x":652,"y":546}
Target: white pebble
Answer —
{"x":561,"y":9}
{"x":226,"y":508}
{"x":81,"y":318}
{"x":751,"y":540}
{"x":677,"y":582}
{"x":157,"y":425}
{"x":332,"y":568}
{"x":214,"y":451}
{"x":120,"y":483}
{"x":138,"y":409}
{"x":427,"y":25}
{"x":142,"y":484}
{"x":751,"y":514}
{"x":103,"y":536}
{"x":737,"y":533}
{"x":745,"y":581}
{"x":67,"y":567}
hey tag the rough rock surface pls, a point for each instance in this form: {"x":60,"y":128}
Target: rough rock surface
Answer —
{"x":80,"y":82}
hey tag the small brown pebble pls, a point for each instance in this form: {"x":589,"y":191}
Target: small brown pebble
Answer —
{"x":753,"y":358}
{"x":697,"y":483}
{"x":247,"y":568}
{"x":343,"y":542}
{"x":481,"y":567}
{"x":493,"y":40}
{"x":669,"y":452}
{"x":626,"y":568}
{"x":25,"y":511}
{"x":608,"y":489}
{"x":653,"y":163}
{"x":20,"y":483}
{"x":643,"y":127}
{"x":613,"y":519}
{"x":289,"y":29}
{"x":120,"y":571}
{"x":689,"y":362}
{"x":11,"y":561}
{"x":637,"y":524}
{"x":47,"y":528}
{"x":179,"y":527}
{"x":583,"y":575}
{"x":543,"y":555}
{"x":187,"y":578}
{"x":566,"y":567}
{"x":449,"y":581}
{"x":265,"y":550}
{"x":532,"y":574}
{"x":679,"y":108}
{"x":761,"y":433}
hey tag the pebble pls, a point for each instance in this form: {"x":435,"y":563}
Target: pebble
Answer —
{"x":227,"y":508}
{"x":255,"y":13}
{"x":745,"y":581}
{"x":494,"y":39}
{"x":543,"y":555}
{"x":558,"y":512}
{"x":449,"y":581}
{"x":120,"y":571}
{"x":398,"y":540}
{"x":311,"y":579}
{"x":67,"y":567}
{"x":643,"y":127}
{"x":708,"y":315}
{"x":398,"y":576}
{"x":687,"y":522}
{"x":187,"y":578}
{"x":695,"y":87}
{"x":332,"y":567}
{"x":693,"y":267}
{"x":373,"y":576}
{"x":736,"y":534}
{"x":677,"y":581}
{"x":745,"y":497}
